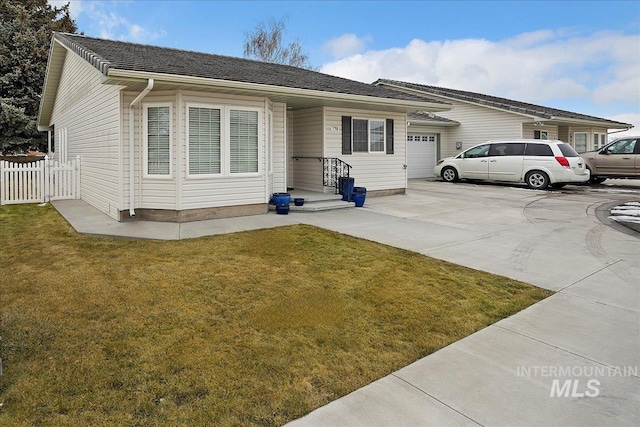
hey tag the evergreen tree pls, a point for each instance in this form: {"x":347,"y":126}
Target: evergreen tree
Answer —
{"x":26,"y":27}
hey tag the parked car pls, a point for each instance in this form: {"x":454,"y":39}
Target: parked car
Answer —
{"x":538,"y":163}
{"x":618,"y":159}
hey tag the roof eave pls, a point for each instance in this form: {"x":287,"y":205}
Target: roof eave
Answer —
{"x":413,"y":122}
{"x":117,"y":75}
{"x":538,"y":117}
{"x":607,"y":124}
{"x":453,"y":98}
{"x":50,"y":86}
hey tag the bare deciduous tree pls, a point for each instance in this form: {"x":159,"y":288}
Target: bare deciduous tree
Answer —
{"x":265,"y":44}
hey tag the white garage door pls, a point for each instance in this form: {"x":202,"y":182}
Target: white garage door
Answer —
{"x":421,"y":155}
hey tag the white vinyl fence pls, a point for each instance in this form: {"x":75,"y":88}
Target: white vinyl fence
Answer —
{"x":39,"y":182}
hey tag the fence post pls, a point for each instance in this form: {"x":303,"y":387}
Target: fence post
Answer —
{"x":3,"y":182}
{"x":46,"y":177}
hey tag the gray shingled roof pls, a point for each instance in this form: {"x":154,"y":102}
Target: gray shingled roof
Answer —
{"x":431,"y":118}
{"x":109,"y":54}
{"x":502,"y":103}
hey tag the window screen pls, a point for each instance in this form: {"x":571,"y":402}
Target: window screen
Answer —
{"x":243,"y":141}
{"x":376,"y":135}
{"x":360,"y":135}
{"x":204,"y":141}
{"x":158,"y":140}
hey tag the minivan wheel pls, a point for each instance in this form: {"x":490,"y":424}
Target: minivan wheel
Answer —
{"x":537,"y":180}
{"x":449,"y":174}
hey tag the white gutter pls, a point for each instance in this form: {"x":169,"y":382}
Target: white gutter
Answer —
{"x":132,"y":187}
{"x":275,"y":90}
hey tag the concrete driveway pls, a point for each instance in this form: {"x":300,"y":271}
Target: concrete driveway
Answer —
{"x":572,"y":359}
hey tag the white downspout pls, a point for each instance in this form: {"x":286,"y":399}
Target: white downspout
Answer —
{"x":132,"y":187}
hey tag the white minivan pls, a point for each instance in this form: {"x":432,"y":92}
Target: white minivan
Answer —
{"x":536,"y":162}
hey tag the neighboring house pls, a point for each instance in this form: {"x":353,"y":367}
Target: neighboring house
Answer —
{"x":476,"y":118}
{"x":177,"y":135}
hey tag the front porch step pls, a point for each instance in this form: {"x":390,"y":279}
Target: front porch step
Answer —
{"x":320,"y":206}
{"x":316,"y":202}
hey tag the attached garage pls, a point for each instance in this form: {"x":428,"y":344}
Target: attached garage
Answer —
{"x":422,"y":153}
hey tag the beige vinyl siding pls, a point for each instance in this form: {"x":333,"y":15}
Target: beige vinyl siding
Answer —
{"x":529,"y":131}
{"x":205,"y":192}
{"x":279,"y":148}
{"x":375,"y":171}
{"x":585,"y":129}
{"x":89,"y":110}
{"x":150,"y":192}
{"x":563,"y":133}
{"x":478,"y":124}
{"x":307,"y":142}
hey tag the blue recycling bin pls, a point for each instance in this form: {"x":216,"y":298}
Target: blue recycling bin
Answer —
{"x":345,"y":187}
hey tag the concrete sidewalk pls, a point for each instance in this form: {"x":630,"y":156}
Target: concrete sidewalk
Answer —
{"x":572,"y":359}
{"x":86,"y":219}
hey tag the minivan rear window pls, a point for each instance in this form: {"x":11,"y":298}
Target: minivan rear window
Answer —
{"x":538,"y":150}
{"x":568,"y":150}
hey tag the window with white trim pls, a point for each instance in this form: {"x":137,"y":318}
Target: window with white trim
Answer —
{"x":368,"y":135}
{"x":222,"y":140}
{"x":376,"y":136}
{"x":599,"y":140}
{"x":243,"y":141}
{"x":580,"y":141}
{"x":157,"y":140}
{"x":205,"y":141}
{"x":540,"y":134}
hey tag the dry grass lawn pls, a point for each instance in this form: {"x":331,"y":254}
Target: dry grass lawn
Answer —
{"x":255,"y":328}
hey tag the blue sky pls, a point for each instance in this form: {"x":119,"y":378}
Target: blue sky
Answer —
{"x":582,"y":56}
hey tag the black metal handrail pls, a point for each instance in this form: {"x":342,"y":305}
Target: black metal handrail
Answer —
{"x":332,"y":169}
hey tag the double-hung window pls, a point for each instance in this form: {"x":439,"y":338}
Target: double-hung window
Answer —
{"x":368,"y":135}
{"x":205,"y":141}
{"x":243,"y":141}
{"x":222,"y":140}
{"x":157,"y":140}
{"x":540,"y":134}
{"x":580,"y":141}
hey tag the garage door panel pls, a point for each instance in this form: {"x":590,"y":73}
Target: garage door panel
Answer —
{"x":421,"y":155}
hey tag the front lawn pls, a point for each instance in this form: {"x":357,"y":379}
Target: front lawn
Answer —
{"x":254,"y":328}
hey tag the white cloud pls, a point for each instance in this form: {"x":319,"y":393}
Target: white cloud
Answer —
{"x":538,"y":67}
{"x":75,"y":6}
{"x":345,"y":45}
{"x":631,"y":118}
{"x":103,"y":22}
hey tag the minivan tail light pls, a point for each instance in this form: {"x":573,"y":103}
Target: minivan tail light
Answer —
{"x":563,"y":161}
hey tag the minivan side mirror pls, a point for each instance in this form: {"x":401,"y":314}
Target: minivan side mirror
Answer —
{"x":604,"y":151}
